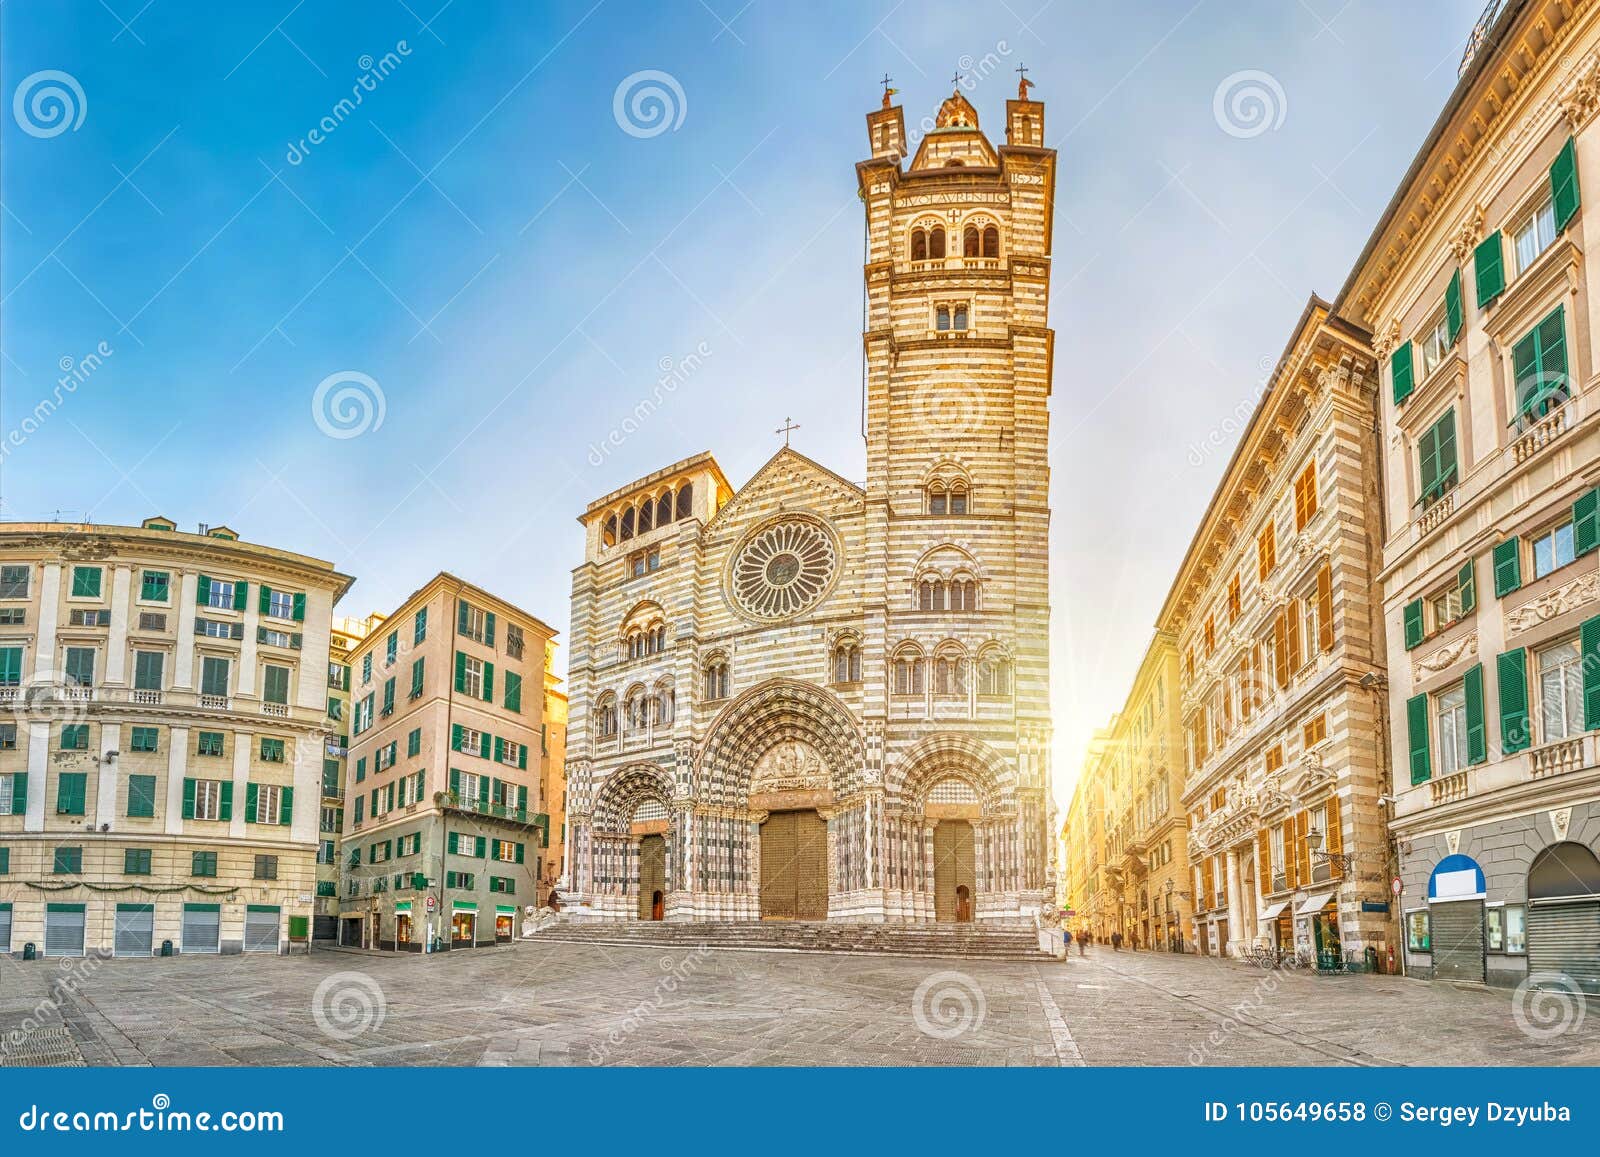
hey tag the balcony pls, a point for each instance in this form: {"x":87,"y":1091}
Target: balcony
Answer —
{"x":1557,"y":758}
{"x":145,"y":697}
{"x":276,"y":710}
{"x":1449,"y":789}
{"x":215,"y":702}
{"x":1541,"y":434}
{"x":1436,"y":513}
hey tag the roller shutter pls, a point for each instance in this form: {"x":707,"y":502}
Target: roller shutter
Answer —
{"x":202,"y":928}
{"x":5,"y":928}
{"x":63,"y":930}
{"x":1458,"y":940}
{"x":1564,"y":938}
{"x":135,"y":929}
{"x":260,"y":929}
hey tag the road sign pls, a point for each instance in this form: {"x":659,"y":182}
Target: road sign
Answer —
{"x":432,"y":903}
{"x":1394,"y":885}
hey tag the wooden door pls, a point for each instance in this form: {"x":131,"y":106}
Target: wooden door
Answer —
{"x":955,"y":882}
{"x":794,"y":866}
{"x":652,"y":877}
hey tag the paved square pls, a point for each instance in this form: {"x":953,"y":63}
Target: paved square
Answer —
{"x":578,"y":1004}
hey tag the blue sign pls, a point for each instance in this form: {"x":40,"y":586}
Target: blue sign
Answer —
{"x":1456,"y":878}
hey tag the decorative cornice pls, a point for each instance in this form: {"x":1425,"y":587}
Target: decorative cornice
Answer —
{"x":1581,"y":99}
{"x":1579,"y":592}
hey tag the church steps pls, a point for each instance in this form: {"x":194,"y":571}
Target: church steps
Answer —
{"x":801,"y":936}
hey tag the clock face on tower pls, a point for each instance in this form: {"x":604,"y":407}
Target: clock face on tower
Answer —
{"x":783,"y":569}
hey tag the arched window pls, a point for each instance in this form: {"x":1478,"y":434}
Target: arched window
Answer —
{"x":936,"y":243}
{"x":991,"y":242}
{"x":961,"y":315}
{"x":847,"y":662}
{"x":938,"y":499}
{"x":950,"y":674}
{"x":910,"y":674}
{"x":664,"y":509}
{"x":941,"y":318}
{"x":636,"y":712}
{"x":969,"y":241}
{"x":919,"y":245}
{"x":608,"y":535}
{"x":994,"y":674}
{"x":647,"y":516}
{"x":958,"y":499}
{"x":716,"y":679}
{"x":605,"y":717}
{"x":627,"y":524}
{"x":685,"y":499}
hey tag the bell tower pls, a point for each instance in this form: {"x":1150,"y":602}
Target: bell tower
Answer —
{"x":958,"y":360}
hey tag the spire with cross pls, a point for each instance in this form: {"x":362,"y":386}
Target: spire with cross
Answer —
{"x":1024,"y":84}
{"x":788,"y":427}
{"x":887,"y":91}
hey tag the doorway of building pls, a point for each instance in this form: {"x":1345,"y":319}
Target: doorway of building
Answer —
{"x":1563,"y":921}
{"x":794,"y":866}
{"x":402,"y":929}
{"x":652,"y":876}
{"x":955,"y":877}
{"x":463,"y":929}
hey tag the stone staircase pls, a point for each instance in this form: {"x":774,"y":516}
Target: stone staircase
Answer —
{"x":958,"y":941}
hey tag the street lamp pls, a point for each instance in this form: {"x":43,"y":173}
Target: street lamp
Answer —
{"x":1340,"y":860}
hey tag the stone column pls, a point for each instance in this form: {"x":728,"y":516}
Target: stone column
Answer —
{"x":1255,"y":916}
{"x":1234,"y":907}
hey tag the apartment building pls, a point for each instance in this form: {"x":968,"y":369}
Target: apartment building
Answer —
{"x":1281,"y":652}
{"x":1475,"y":287}
{"x":1091,"y":893}
{"x":345,"y":634}
{"x":553,"y":776}
{"x":445,"y":827}
{"x":167,"y":696}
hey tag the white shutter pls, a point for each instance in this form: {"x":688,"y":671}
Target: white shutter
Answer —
{"x":63,"y":933}
{"x":1564,"y":939}
{"x":261,"y":931}
{"x":5,"y":929}
{"x":135,"y":931}
{"x":201,"y":930}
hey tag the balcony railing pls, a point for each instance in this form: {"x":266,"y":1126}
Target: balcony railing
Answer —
{"x":1436,"y":513}
{"x":145,"y":697}
{"x":1541,"y":434}
{"x":1449,"y":789}
{"x":219,"y":702}
{"x":1557,"y":758}
{"x":276,"y":710}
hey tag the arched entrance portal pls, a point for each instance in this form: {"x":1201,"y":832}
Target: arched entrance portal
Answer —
{"x":794,"y":866}
{"x":955,"y":876}
{"x":652,"y":877}
{"x":1564,"y":916}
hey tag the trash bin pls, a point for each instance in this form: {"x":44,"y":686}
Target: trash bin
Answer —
{"x":166,"y":948}
{"x":29,"y":952}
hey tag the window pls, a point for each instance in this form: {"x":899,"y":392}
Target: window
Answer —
{"x":203,"y":864}
{"x":136,"y":861}
{"x":508,"y":852}
{"x":994,"y":674}
{"x":86,"y":582}
{"x":207,"y":799}
{"x":80,"y":666}
{"x":75,"y":737}
{"x":1561,"y":691}
{"x":154,"y":586}
{"x":1234,"y":602}
{"x":1275,"y":851}
{"x":419,"y":627}
{"x":152,"y":621}
{"x":1451,"y":717}
{"x":418,"y":674}
{"x":1447,"y":607}
{"x":14,"y":582}
{"x":606,"y":711}
{"x":473,"y":623}
{"x":275,"y":638}
{"x":147,"y":670}
{"x":8,"y":742}
{"x":331,"y":821}
{"x":336,"y":710}
{"x":1436,"y":459}
{"x":13,"y":616}
{"x":1266,"y":550}
{"x":219,"y":594}
{"x":83,"y":618}
{"x":68,"y":861}
{"x":388,"y":697}
{"x":1534,"y":233}
{"x":1506,"y":929}
{"x":266,"y":868}
{"x":214,"y":676}
{"x":1305,"y":495}
{"x":1315,"y":731}
{"x":1418,"y":938}
{"x":460,"y":880}
{"x":1434,"y":343}
{"x":716,"y":679}
{"x":366,"y":669}
{"x":1274,"y":758}
{"x":213,"y":628}
{"x":471,"y":672}
{"x":210,"y":743}
{"x":910,"y":675}
{"x":502,"y":884}
{"x":1553,"y":550}
{"x":271,"y":750}
{"x":275,"y":684}
{"x":10,"y":666}
{"x":847,"y":663}
{"x":1539,"y":367}
{"x":514,"y":639}
{"x":270,"y":803}
{"x":144,"y":738}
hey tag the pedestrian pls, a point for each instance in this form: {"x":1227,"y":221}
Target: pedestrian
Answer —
{"x":1083,"y":938}
{"x":1066,"y":942}
{"x":1116,"y":942}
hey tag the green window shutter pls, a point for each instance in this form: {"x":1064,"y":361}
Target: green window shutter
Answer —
{"x":1477,"y":729}
{"x":461,"y":616}
{"x":202,"y":591}
{"x":142,"y":796}
{"x":227,"y":800}
{"x":1417,"y":730}
{"x":1400,"y":370}
{"x":1539,"y":365}
{"x":188,"y":799}
{"x":461,"y":671}
{"x":416,"y":678}
{"x":1413,"y":623}
{"x":488,"y":682}
{"x":1511,"y":668}
{"x":513,"y":691}
{"x":251,"y":795}
{"x":241,"y":595}
{"x":495,"y":846}
{"x":419,"y":628}
{"x":1564,"y":183}
{"x":519,"y":848}
{"x":454,"y":842}
{"x":1586,"y":522}
{"x":522,"y":795}
{"x":19,"y":793}
{"x":264,"y":603}
{"x":300,"y":608}
{"x":1489,"y":269}
{"x":1467,"y":582}
{"x":485,"y":744}
{"x":499,"y":749}
{"x":375,"y":792}
{"x":488,"y":629}
{"x":522,"y":756}
{"x":455,"y":736}
{"x":1507,"y":567}
{"x":1454,"y":316}
{"x":482,"y":848}
{"x":1589,"y":649}
{"x":455,"y":782}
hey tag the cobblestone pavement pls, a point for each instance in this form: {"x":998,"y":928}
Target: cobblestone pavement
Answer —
{"x":578,"y":1004}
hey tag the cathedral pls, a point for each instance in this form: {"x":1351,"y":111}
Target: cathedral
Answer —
{"x":803,"y":699}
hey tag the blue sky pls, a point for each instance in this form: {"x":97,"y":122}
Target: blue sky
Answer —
{"x":482,"y":239}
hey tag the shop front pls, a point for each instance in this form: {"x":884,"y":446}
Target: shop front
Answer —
{"x":404,"y":931}
{"x":505,"y":918}
{"x":1456,"y":892}
{"x":1320,"y":916}
{"x":463,"y":924}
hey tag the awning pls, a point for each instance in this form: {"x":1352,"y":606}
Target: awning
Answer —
{"x":505,"y":910}
{"x":402,"y":905}
{"x":464,"y":905}
{"x":1315,"y":904}
{"x":1273,"y":911}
